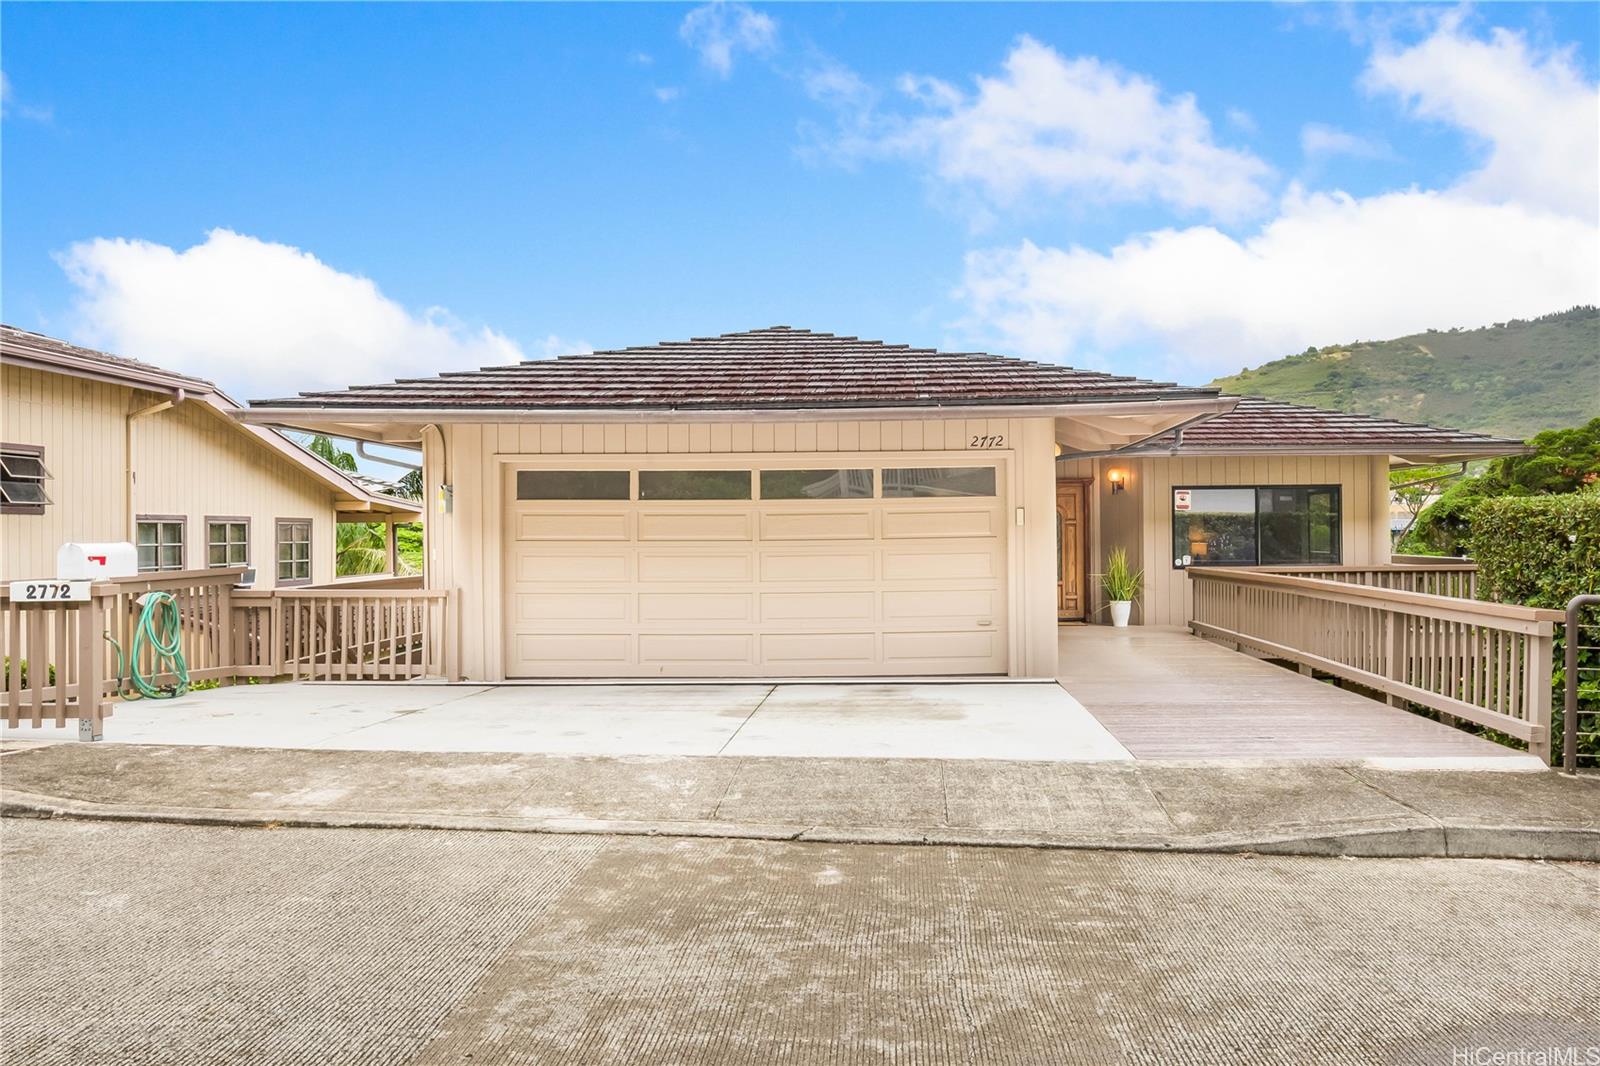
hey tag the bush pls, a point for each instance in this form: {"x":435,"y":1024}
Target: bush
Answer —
{"x":1540,"y":551}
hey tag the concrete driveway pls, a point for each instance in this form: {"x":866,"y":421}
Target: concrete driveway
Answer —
{"x":994,"y":720}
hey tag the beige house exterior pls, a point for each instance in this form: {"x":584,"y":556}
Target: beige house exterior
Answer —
{"x":780,"y":503}
{"x":131,"y":449}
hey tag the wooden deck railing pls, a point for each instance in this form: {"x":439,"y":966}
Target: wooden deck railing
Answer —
{"x":55,"y":653}
{"x":1489,"y":663}
{"x":55,"y":661}
{"x":1436,"y":577}
{"x":328,"y":634}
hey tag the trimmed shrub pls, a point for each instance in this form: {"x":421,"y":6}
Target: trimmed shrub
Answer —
{"x":1540,"y":551}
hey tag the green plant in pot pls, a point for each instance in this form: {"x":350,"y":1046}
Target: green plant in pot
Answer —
{"x":1121,"y":584}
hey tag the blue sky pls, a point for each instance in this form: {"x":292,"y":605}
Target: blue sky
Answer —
{"x":298,"y":196}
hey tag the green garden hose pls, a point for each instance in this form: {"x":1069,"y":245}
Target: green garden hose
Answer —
{"x":161,"y":630}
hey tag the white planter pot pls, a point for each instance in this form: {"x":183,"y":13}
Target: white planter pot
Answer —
{"x":1120,"y":610}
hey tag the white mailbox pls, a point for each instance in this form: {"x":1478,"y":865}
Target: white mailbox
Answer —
{"x":96,"y":562}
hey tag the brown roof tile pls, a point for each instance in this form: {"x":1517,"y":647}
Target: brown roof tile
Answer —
{"x":776,"y":368}
{"x":1258,"y":424}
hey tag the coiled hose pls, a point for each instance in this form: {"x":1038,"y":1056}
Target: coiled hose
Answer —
{"x":160,"y":629}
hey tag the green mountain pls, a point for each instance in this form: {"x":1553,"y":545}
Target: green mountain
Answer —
{"x":1512,"y":378}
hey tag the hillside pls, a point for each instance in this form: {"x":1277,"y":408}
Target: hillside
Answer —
{"x":1512,"y":378}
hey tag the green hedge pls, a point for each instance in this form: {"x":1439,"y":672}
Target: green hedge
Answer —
{"x":1541,"y":551}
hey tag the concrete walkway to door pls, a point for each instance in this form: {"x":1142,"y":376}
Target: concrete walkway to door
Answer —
{"x":952,"y":720}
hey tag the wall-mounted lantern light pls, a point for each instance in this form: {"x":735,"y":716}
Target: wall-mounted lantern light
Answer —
{"x":1059,"y":449}
{"x":1118,"y":479}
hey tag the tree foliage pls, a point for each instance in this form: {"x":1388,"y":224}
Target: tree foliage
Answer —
{"x":1563,"y":461}
{"x":359,"y":548}
{"x":322,"y":445}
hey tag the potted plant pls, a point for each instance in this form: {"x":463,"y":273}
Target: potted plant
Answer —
{"x":1121,"y":585}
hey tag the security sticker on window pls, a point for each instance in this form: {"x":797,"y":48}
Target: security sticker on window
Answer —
{"x":1180,"y":499}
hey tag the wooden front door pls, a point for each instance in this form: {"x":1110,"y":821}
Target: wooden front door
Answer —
{"x":1072,"y":524}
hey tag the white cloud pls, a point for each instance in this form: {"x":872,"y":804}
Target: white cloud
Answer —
{"x":1328,"y":268}
{"x":723,"y":28}
{"x":667,"y":93}
{"x":553,"y":346}
{"x":1533,"y":111}
{"x":1318,"y":141}
{"x":11,"y":107}
{"x":1050,"y":125}
{"x":1515,"y":238}
{"x":261,"y":319}
{"x":1242,"y":120}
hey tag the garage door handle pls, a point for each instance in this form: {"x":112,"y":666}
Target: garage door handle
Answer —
{"x":985,"y":622}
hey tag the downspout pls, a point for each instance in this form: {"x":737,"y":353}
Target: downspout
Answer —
{"x":430,"y":547}
{"x":361,"y":450}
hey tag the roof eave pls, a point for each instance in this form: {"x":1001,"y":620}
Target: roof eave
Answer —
{"x":96,"y":370}
{"x":311,"y":417}
{"x":1403,"y":450}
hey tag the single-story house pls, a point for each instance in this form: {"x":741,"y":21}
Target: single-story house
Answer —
{"x":779,"y":502}
{"x":99,"y":448}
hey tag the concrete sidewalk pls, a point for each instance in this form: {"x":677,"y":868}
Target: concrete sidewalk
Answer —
{"x":1312,"y":809}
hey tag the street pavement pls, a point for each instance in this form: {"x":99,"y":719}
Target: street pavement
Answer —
{"x":148,"y":944}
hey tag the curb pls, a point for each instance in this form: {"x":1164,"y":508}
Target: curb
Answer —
{"x":1424,"y":840}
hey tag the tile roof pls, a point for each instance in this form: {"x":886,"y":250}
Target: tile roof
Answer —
{"x":776,"y":368}
{"x":20,"y":345}
{"x":1261,"y":425}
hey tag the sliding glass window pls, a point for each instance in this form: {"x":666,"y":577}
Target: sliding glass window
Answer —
{"x":1277,"y":525}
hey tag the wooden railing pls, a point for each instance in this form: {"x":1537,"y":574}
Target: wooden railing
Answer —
{"x":1488,"y":663}
{"x":55,"y":661}
{"x":55,"y":653}
{"x":203,"y":599}
{"x":329,"y":634}
{"x":1437,"y":577}
{"x":374,"y":581}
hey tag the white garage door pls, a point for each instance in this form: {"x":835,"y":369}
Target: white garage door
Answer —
{"x":701,"y":571}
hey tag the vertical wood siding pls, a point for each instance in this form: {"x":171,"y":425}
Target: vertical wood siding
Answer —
{"x":190,"y":460}
{"x":1363,"y":481}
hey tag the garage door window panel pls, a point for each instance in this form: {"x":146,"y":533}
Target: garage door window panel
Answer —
{"x":694,"y":484}
{"x":816,"y":484}
{"x":949,"y":481}
{"x":573,"y":485}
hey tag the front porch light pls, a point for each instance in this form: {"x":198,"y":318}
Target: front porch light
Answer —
{"x":1118,"y":480}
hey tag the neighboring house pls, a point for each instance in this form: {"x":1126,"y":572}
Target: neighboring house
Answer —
{"x":101,"y":448}
{"x":780,"y":502}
